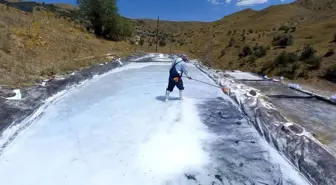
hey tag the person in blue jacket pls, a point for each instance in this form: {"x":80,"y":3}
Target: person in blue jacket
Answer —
{"x":177,"y":70}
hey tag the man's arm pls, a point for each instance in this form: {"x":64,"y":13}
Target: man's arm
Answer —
{"x":185,"y":71}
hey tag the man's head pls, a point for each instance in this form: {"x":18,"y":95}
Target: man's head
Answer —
{"x":184,"y":57}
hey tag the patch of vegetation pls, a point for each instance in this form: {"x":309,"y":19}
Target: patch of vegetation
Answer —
{"x":259,"y":51}
{"x":243,"y":38}
{"x":284,"y":64}
{"x":282,"y":40}
{"x":329,"y":73}
{"x":308,"y":56}
{"x":223,"y":52}
{"x":162,"y":42}
{"x":285,"y":58}
{"x":246,"y":51}
{"x":141,"y":41}
{"x":307,"y":53}
{"x":284,"y":28}
{"x":232,"y":42}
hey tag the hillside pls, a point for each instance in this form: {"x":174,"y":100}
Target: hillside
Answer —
{"x":43,"y":41}
{"x":317,"y":5}
{"x":296,"y":40}
{"x":253,"y":40}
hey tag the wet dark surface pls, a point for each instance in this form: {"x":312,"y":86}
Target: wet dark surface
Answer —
{"x":273,"y":88}
{"x":316,"y":116}
{"x":239,"y":155}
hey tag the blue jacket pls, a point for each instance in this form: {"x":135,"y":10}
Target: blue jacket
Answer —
{"x":180,"y":67}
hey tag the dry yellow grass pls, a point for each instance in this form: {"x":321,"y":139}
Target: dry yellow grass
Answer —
{"x":37,"y":45}
{"x":210,"y":41}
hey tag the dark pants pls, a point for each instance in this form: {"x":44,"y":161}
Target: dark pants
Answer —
{"x":172,"y":84}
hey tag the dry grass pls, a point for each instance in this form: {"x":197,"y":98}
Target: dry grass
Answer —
{"x":211,"y":41}
{"x":38,"y":45}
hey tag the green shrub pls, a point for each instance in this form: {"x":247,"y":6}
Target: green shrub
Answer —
{"x":282,"y":40}
{"x":141,"y":41}
{"x":308,"y":56}
{"x":284,"y":28}
{"x":229,"y":32}
{"x":307,"y":52}
{"x":162,"y":42}
{"x":285,"y":58}
{"x":250,"y":31}
{"x":285,"y":64}
{"x":247,"y":51}
{"x":314,"y":62}
{"x":259,"y":51}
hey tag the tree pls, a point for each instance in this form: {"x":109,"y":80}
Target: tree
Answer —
{"x":105,"y":19}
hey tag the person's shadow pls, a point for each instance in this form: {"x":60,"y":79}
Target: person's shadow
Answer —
{"x":162,"y":98}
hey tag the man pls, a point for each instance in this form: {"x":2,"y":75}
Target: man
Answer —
{"x":177,"y":69}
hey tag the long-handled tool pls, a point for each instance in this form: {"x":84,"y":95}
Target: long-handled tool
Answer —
{"x":224,"y":89}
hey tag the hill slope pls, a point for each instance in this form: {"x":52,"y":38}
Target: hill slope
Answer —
{"x":252,"y":40}
{"x":37,"y":43}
